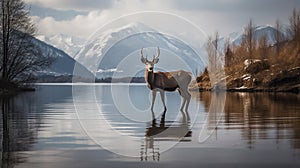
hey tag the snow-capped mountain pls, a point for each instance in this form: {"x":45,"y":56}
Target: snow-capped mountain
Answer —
{"x":70,"y":45}
{"x":63,"y":64}
{"x":107,"y":51}
{"x":259,"y":31}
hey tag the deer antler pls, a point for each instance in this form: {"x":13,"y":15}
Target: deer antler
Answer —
{"x":158,"y":53}
{"x":155,"y":57}
{"x":142,"y":52}
{"x":143,"y":59}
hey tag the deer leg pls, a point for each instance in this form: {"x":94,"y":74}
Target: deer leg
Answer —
{"x":188,"y":97}
{"x":183,"y":100}
{"x":162,"y":95}
{"x":153,"y":99}
{"x":182,"y":103}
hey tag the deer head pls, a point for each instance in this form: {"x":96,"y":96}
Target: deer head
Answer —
{"x":150,"y":64}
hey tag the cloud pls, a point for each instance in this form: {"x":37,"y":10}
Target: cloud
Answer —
{"x":83,"y":25}
{"x":233,"y":5}
{"x":225,"y":16}
{"x":80,"y":5}
{"x":59,"y":15}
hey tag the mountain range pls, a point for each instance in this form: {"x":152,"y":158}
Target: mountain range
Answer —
{"x":63,"y":65}
{"x":106,"y":50}
{"x":236,"y":38}
{"x":109,"y":52}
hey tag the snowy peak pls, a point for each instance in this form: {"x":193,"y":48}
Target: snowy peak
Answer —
{"x":135,"y":26}
{"x":68,"y":44}
{"x":106,"y":49}
{"x":115,"y":34}
{"x":236,"y":38}
{"x":267,"y":31}
{"x":72,"y":45}
{"x":102,"y":41}
{"x":130,"y":28}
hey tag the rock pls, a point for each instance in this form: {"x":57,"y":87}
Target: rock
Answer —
{"x":204,"y":77}
{"x":203,"y":81}
{"x":253,"y":66}
{"x":294,"y":89}
{"x":235,"y":83}
{"x":286,"y":78}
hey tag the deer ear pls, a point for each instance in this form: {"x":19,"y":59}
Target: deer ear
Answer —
{"x":143,"y":60}
{"x":155,"y":61}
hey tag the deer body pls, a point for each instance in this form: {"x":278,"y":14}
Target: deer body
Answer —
{"x":166,"y":81}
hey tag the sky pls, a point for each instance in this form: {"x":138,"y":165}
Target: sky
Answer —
{"x":80,"y":18}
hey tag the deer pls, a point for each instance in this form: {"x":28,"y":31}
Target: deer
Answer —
{"x":166,"y":81}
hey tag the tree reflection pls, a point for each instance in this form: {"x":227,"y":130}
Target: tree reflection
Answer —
{"x":19,"y":131}
{"x":261,"y":116}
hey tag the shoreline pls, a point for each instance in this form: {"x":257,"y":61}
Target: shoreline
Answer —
{"x":5,"y":92}
{"x":292,"y":89}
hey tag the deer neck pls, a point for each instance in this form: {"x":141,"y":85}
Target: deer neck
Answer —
{"x":149,"y":76}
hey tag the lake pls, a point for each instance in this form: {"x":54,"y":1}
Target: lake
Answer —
{"x":106,"y":125}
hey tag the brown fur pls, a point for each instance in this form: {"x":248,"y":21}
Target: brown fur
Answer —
{"x":168,"y":81}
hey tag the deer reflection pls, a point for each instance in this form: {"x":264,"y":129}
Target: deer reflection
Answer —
{"x":164,"y":131}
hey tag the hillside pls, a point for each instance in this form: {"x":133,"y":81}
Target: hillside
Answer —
{"x":62,"y":70}
{"x":255,"y":77}
{"x":272,"y":67}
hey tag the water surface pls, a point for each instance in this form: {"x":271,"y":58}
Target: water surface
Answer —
{"x":57,"y":127}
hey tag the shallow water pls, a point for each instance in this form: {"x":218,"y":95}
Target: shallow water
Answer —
{"x":112,"y":126}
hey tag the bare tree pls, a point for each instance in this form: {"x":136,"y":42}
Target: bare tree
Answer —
{"x":20,"y":58}
{"x":263,"y":46}
{"x":295,"y":25}
{"x":216,"y":44}
{"x":278,"y":36}
{"x":212,"y":47}
{"x":228,"y":53}
{"x":248,"y":39}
